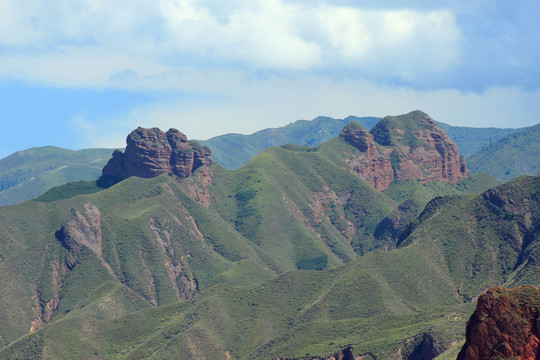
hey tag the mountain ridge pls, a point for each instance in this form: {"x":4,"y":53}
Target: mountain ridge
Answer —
{"x":244,"y":147}
{"x":515,"y":154}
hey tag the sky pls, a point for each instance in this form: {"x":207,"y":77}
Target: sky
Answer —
{"x":84,"y":73}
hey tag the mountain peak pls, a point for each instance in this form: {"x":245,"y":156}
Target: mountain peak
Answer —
{"x":152,"y":152}
{"x":409,"y":146}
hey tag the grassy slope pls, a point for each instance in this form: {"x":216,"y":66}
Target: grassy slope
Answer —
{"x":486,"y":239}
{"x":515,"y":154}
{"x":296,"y":314}
{"x":133,"y":213}
{"x":31,"y":172}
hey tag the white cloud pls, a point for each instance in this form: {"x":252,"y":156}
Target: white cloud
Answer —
{"x":273,"y":102}
{"x":257,"y":34}
{"x":251,"y":64}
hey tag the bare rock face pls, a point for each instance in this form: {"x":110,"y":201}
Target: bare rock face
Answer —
{"x":152,"y":152}
{"x":505,"y":325}
{"x":372,"y":166}
{"x":404,"y":147}
{"x":83,"y":230}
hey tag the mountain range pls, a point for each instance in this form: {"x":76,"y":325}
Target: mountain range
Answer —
{"x":374,"y":243}
{"x":515,"y":154}
{"x":29,"y":173}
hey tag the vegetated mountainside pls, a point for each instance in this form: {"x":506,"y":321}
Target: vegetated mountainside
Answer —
{"x":505,"y":325}
{"x":261,"y":262}
{"x":515,"y":154}
{"x":29,"y":173}
{"x":44,"y":168}
{"x":493,"y":236}
{"x":400,"y":303}
{"x":234,"y":150}
{"x":469,"y":140}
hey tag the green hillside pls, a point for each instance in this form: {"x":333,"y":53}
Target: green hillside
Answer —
{"x":381,"y":304}
{"x":29,"y":173}
{"x":234,"y":150}
{"x":515,"y":154}
{"x":276,"y":258}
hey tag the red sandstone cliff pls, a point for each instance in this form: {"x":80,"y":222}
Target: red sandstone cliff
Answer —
{"x":404,"y":147}
{"x":505,"y":325}
{"x":152,"y":152}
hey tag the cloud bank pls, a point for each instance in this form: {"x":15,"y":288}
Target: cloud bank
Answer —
{"x":258,"y":63}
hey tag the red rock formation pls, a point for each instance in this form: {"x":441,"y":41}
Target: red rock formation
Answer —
{"x":152,"y":152}
{"x":404,"y":147}
{"x":505,"y":325}
{"x":372,"y":166}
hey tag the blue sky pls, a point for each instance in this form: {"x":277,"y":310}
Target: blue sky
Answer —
{"x":84,"y":73}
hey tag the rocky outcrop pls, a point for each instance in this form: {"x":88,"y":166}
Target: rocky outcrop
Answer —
{"x":152,"y":152}
{"x":373,"y":165}
{"x":404,"y":147}
{"x":506,"y":324}
{"x":83,"y":230}
{"x":420,"y":347}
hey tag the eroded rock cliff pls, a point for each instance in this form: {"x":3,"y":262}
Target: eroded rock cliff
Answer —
{"x":505,"y":325}
{"x":152,"y":152}
{"x":404,"y":147}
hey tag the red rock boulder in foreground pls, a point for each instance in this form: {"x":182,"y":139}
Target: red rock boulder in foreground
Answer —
{"x":505,"y":325}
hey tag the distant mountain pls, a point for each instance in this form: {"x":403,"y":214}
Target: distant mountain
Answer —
{"x":277,"y":259}
{"x":515,"y":154}
{"x":234,"y":150}
{"x":469,"y":140}
{"x":29,"y":173}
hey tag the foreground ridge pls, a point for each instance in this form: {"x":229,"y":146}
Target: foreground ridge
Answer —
{"x":505,"y":325}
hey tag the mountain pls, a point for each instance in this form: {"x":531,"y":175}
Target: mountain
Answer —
{"x":469,"y":140}
{"x":296,"y":254}
{"x":234,"y":150}
{"x":387,"y":304}
{"x":504,"y":325}
{"x":515,"y":154}
{"x":25,"y":176}
{"x":29,"y":173}
{"x":405,"y":147}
